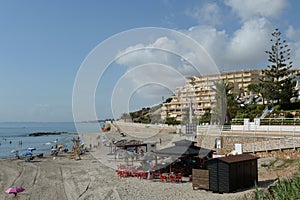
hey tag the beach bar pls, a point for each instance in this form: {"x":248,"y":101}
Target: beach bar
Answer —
{"x":188,"y":156}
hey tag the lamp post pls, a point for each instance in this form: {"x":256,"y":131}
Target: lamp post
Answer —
{"x":191,"y":110}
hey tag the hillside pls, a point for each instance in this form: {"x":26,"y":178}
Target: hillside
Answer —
{"x":147,"y":115}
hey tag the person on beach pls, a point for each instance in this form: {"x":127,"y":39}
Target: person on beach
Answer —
{"x":17,"y":155}
{"x":142,"y":152}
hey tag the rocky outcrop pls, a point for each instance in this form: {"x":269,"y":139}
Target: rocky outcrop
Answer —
{"x":46,"y":133}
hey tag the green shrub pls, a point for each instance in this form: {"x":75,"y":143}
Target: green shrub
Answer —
{"x":290,"y":106}
{"x":288,"y":115}
{"x":283,"y":190}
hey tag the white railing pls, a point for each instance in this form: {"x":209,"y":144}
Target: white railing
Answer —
{"x":252,"y":130}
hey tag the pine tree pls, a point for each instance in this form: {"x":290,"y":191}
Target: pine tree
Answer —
{"x":276,"y":80}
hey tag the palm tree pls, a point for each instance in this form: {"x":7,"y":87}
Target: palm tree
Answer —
{"x":226,"y":106}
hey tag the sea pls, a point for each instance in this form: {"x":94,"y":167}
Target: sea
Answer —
{"x":14,"y":136}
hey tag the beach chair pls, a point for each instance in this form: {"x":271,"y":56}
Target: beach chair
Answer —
{"x":144,"y":175}
{"x":172,"y":177}
{"x":138,"y":174}
{"x":128,"y":173}
{"x":178,"y":178}
{"x":155,"y":175}
{"x":163,"y":178}
{"x":121,"y":173}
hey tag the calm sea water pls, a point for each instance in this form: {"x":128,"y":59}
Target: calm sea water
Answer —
{"x":11,"y":133}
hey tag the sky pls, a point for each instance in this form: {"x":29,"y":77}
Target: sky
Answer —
{"x":45,"y":47}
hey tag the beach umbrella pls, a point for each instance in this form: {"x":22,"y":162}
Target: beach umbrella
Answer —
{"x":60,"y":146}
{"x":31,"y":149}
{"x":14,"y":190}
{"x":27,"y":153}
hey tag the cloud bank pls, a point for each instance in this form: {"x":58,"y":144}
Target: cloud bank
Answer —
{"x":242,"y":48}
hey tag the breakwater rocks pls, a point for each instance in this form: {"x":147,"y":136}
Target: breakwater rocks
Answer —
{"x":46,"y":133}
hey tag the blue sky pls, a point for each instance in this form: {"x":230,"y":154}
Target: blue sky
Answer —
{"x":44,"y":43}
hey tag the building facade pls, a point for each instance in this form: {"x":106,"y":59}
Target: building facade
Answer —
{"x":199,"y":93}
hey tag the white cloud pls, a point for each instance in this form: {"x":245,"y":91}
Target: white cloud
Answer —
{"x":167,"y":59}
{"x":168,"y":51}
{"x":243,"y":48}
{"x":293,"y":35}
{"x":148,"y":82}
{"x":249,"y":9}
{"x":248,"y":44}
{"x":209,"y":13}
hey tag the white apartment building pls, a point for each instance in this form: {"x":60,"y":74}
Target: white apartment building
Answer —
{"x":199,"y":91}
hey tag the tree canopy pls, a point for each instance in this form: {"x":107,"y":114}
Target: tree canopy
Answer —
{"x":276,"y":82}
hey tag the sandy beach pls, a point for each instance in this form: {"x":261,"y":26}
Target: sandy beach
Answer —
{"x":45,"y":178}
{"x":88,"y":178}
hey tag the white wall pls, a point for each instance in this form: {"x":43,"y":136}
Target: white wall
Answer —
{"x":253,"y":127}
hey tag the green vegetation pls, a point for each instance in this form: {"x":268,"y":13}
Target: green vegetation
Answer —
{"x":276,"y":87}
{"x":226,"y":106}
{"x":277,"y":83}
{"x":284,"y":188}
{"x":206,"y":117}
{"x":172,"y":121}
{"x":250,"y":111}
